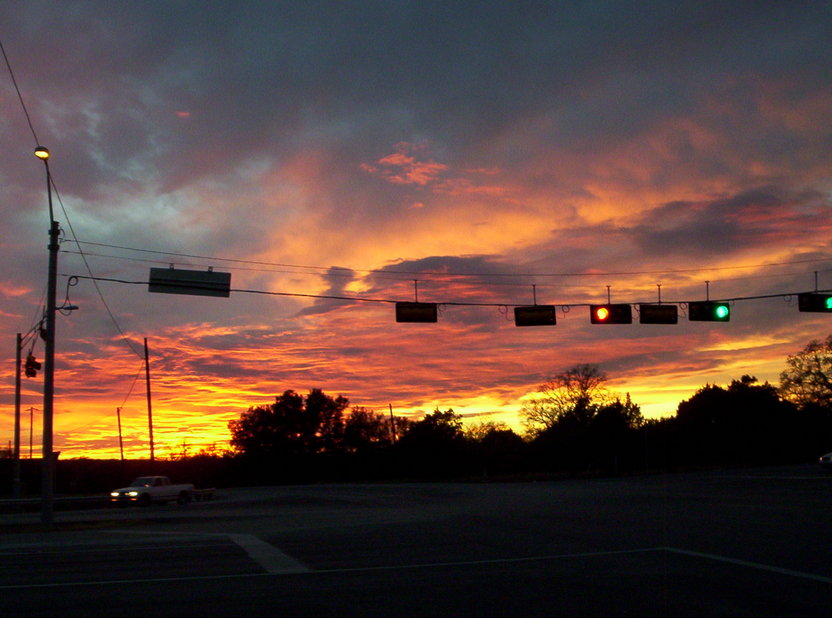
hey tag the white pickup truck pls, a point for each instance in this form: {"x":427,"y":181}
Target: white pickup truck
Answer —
{"x":146,"y":490}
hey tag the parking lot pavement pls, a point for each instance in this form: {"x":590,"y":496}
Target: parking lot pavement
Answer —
{"x":699,"y":544}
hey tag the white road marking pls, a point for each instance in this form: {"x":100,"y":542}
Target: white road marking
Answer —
{"x":277,"y":563}
{"x":750,"y":565}
{"x":267,"y":555}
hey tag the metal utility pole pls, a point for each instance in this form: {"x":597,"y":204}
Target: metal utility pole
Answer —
{"x":149,"y":406}
{"x":48,"y":464}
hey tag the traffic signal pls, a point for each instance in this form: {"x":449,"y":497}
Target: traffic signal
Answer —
{"x":31,"y":367}
{"x":709,"y":311}
{"x":819,"y":303}
{"x":535,"y":315}
{"x":658,"y":314}
{"x":611,"y":314}
{"x":416,"y":312}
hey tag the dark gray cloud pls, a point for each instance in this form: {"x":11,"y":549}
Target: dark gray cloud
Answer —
{"x":335,"y":296}
{"x":257,"y":76}
{"x":717,"y":228}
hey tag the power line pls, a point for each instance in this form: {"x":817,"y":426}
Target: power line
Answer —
{"x":54,"y":186}
{"x":462,"y":303}
{"x":104,"y":302}
{"x":19,"y":95}
{"x":329,"y":269}
{"x":133,"y":384}
{"x":351,"y":273}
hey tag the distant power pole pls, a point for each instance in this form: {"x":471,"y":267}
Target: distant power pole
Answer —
{"x":149,"y":406}
{"x":16,"y":462}
{"x":31,"y":422}
{"x":120,"y":440}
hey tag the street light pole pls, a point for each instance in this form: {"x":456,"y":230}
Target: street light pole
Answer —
{"x":48,"y":464}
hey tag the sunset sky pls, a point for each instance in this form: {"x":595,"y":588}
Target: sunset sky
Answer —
{"x":493,"y":152}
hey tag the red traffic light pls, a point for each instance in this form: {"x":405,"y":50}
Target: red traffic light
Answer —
{"x":611,"y":314}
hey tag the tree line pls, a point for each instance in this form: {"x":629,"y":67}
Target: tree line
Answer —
{"x":574,"y":425}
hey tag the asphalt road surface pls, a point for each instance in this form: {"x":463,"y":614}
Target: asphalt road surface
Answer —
{"x":728,"y":543}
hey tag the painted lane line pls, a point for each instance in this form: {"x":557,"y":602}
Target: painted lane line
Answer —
{"x":301,"y":569}
{"x":491,"y":561}
{"x":267,"y":555}
{"x":750,"y":565}
{"x":281,"y":564}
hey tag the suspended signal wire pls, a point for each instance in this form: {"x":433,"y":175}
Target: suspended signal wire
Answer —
{"x":104,"y":302}
{"x":492,"y":284}
{"x":346,"y":275}
{"x":456,"y":303}
{"x":19,"y":95}
{"x":220,"y":259}
{"x":63,"y":209}
{"x":132,"y":385}
{"x":36,"y":322}
{"x":149,"y":261}
{"x":329,"y":269}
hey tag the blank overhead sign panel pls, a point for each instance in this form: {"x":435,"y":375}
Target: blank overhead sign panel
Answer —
{"x":416,"y":312}
{"x":194,"y":282}
{"x":535,"y":315}
{"x":658,"y":314}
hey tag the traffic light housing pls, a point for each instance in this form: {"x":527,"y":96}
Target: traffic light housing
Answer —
{"x":535,"y":315}
{"x":31,"y":367}
{"x":815,"y":302}
{"x":416,"y":312}
{"x":709,"y":311}
{"x":658,"y":314}
{"x":611,"y":314}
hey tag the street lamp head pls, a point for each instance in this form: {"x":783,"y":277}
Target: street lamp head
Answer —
{"x":41,"y":152}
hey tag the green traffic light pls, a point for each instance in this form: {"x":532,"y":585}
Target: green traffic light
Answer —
{"x":815,"y":301}
{"x":709,"y":311}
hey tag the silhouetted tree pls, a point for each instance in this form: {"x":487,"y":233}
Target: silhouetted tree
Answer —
{"x":434,"y":446}
{"x":365,"y":428}
{"x":612,"y":434}
{"x":623,"y":413}
{"x":499,"y":449}
{"x":291,"y":425}
{"x":575,"y":393}
{"x":328,"y":416}
{"x":435,"y":428}
{"x":478,"y":431}
{"x":745,"y":423}
{"x":807,"y":380}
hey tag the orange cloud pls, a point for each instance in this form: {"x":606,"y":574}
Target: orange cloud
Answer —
{"x":403,"y":167}
{"x":14,"y":289}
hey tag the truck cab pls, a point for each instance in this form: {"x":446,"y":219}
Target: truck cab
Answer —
{"x":146,"y":490}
